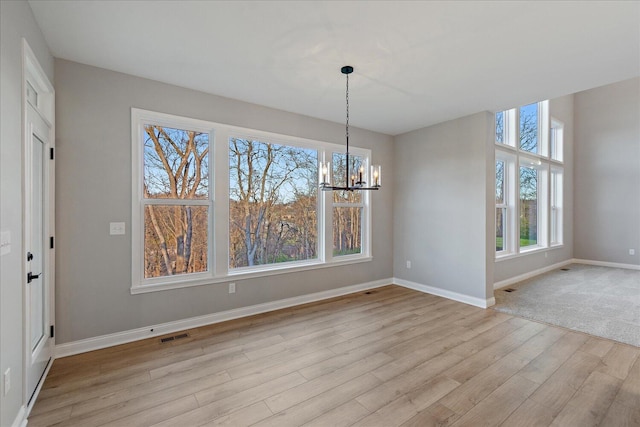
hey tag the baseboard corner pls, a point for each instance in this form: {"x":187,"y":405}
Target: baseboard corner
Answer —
{"x":445,"y":293}
{"x":528,"y":275}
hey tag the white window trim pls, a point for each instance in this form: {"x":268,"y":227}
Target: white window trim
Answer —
{"x":138,"y":119}
{"x":556,"y":202}
{"x":364,"y":203}
{"x":542,"y":201}
{"x":218,"y":247}
{"x":510,"y":153}
{"x":559,"y":125}
{"x":509,"y":242}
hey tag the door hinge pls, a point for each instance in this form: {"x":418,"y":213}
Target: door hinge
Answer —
{"x":52,"y":331}
{"x":51,"y":156}
{"x":51,"y":241}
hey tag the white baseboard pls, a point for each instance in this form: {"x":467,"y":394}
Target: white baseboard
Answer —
{"x":21,"y":418}
{"x":37,"y":390}
{"x":606,"y":264}
{"x":528,"y":275}
{"x":467,"y":299}
{"x":104,"y":341}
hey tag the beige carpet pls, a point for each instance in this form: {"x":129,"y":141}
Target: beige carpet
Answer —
{"x":600,"y":301}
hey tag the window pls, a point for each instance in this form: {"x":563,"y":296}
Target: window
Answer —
{"x":501,"y":206}
{"x":505,"y":202}
{"x":556,"y":206}
{"x":556,"y":136}
{"x":273,"y":190}
{"x":528,"y":206}
{"x":348,"y":206}
{"x":529,"y":128}
{"x":174,"y":201}
{"x":213,"y":203}
{"x":527,"y":188}
{"x":500,"y":129}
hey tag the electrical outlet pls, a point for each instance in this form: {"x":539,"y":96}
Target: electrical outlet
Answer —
{"x":7,"y":381}
{"x":408,"y":264}
{"x":232,"y":288}
{"x":632,"y":251}
{"x":116,"y":228}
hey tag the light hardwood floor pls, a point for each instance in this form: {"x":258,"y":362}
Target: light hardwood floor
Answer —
{"x":387,"y":357}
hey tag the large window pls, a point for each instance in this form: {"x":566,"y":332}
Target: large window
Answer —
{"x":213,"y":203}
{"x":273,"y":205}
{"x":528,"y":179}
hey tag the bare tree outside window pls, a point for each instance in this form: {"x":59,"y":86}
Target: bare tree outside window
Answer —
{"x":528,"y":206}
{"x":500,"y":205}
{"x":272,"y":203}
{"x":529,"y":128}
{"x":176,"y":172}
{"x":348,"y":206}
{"x":500,"y":134}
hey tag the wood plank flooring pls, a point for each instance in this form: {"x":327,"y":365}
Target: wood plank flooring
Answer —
{"x":386,"y":357}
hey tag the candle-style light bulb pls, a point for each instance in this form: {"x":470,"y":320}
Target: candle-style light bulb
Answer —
{"x":375,"y":175}
{"x":324,"y":174}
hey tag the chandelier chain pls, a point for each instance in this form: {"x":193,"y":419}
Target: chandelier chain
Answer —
{"x":347,"y":130}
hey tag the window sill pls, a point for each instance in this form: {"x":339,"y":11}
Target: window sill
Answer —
{"x":246,"y":274}
{"x":529,"y":251}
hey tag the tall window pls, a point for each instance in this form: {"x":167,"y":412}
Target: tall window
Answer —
{"x":273,"y":191}
{"x":555,"y":205}
{"x":348,"y":206}
{"x":528,"y":206}
{"x":176,"y":201}
{"x":214,"y":203}
{"x":501,"y":206}
{"x":528,"y":179}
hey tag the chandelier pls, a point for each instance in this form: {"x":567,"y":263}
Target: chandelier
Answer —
{"x":354,"y":180}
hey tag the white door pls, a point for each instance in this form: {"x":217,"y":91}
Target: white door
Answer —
{"x":37,"y":293}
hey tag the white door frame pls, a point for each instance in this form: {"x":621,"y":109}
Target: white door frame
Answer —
{"x":38,"y":97}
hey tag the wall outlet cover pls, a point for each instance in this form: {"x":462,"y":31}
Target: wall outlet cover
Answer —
{"x":116,"y":228}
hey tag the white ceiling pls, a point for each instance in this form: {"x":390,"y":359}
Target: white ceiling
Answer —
{"x":416,"y":63}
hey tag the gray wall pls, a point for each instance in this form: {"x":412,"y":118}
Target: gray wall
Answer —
{"x":441,"y":198}
{"x":607,"y":173}
{"x":16,"y":21}
{"x":561,"y":109}
{"x":93,"y":187}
